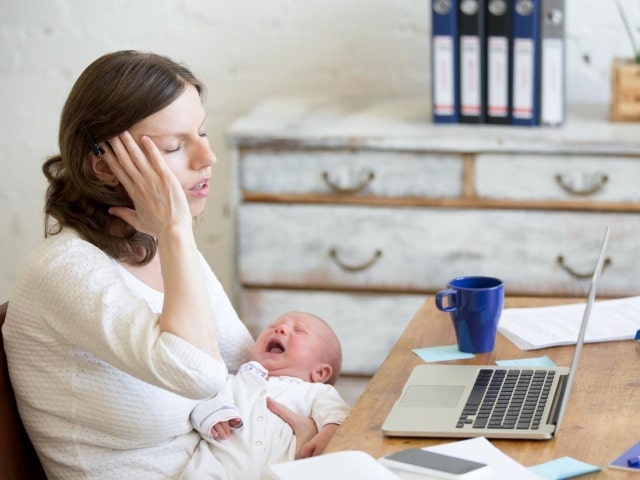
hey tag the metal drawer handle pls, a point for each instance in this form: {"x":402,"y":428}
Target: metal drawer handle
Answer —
{"x":595,"y":186}
{"x":348,"y":190}
{"x":333,"y":254}
{"x":581,"y":276}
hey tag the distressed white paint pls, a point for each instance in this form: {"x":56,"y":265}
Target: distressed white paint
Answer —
{"x":286,"y":146}
{"x":533,"y":177}
{"x":367,"y":325}
{"x":382,"y":173}
{"x":288,"y":246}
{"x":405,"y":124}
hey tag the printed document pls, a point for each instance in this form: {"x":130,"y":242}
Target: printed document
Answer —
{"x":540,"y":327}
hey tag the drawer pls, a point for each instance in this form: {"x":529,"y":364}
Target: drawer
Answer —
{"x":367,"y":325}
{"x":345,"y":173}
{"x":419,"y":249}
{"x":558,"y":177}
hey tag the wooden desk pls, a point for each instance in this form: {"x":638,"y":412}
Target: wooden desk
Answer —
{"x":601,"y":421}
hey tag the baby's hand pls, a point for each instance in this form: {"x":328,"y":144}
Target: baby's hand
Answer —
{"x":221,"y":430}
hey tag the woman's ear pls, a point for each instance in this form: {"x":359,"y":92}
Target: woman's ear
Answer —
{"x":322,"y":373}
{"x":101,"y":170}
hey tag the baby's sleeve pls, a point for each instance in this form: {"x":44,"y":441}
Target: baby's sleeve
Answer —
{"x":328,"y":406}
{"x":214,"y":410}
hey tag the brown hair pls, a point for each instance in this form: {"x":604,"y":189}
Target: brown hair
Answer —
{"x":113,"y":93}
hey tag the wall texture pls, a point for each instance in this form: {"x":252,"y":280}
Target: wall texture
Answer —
{"x":244,"y":50}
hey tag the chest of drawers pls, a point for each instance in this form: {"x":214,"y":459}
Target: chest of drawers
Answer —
{"x":356,"y":210}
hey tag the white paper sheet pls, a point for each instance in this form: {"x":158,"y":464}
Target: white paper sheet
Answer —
{"x":540,"y":327}
{"x":356,"y":465}
{"x":350,"y":464}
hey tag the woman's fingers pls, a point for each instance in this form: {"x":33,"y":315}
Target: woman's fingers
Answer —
{"x":303,"y":427}
{"x":126,"y":214}
{"x":130,"y":157}
{"x":158,"y":198}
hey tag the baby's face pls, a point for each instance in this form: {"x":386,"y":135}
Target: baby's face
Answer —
{"x":294,"y":345}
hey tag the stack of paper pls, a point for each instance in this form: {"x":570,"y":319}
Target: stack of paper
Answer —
{"x":532,"y":328}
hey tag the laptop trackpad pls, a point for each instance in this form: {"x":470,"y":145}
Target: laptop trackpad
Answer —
{"x":435,"y":396}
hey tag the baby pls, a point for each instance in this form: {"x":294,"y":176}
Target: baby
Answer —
{"x":296,"y":360}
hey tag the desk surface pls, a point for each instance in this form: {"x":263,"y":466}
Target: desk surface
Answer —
{"x":600,"y":423}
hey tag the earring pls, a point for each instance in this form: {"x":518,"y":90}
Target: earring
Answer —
{"x":114,"y":182}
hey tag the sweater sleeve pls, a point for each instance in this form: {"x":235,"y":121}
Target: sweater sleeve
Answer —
{"x":87,"y":300}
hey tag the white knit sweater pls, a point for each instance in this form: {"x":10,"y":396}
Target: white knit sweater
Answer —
{"x":102,"y":392}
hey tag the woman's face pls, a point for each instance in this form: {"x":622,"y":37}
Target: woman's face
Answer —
{"x":178,"y":130}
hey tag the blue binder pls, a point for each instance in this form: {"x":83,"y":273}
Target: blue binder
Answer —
{"x":525,"y":64}
{"x":444,"y":61}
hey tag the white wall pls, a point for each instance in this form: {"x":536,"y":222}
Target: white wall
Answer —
{"x":244,"y":50}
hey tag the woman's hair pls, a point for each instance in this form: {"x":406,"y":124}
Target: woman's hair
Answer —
{"x":113,"y":93}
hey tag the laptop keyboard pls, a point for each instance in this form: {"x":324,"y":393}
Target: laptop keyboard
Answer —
{"x":507,"y":398}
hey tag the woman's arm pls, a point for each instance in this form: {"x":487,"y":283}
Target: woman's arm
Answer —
{"x":161,"y":210}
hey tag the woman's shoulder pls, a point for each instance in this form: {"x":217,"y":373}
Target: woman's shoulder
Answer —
{"x":65,"y":254}
{"x":67,"y":244}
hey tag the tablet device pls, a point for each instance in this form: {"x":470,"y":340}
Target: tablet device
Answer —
{"x":432,"y":463}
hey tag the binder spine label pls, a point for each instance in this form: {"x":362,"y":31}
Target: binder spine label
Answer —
{"x":497,"y":81}
{"x":443,"y":75}
{"x":523,"y":75}
{"x":470,"y":81}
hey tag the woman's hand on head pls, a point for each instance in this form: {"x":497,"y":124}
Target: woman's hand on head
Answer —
{"x":159,"y":200}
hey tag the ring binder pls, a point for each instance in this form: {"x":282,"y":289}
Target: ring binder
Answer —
{"x":497,"y":69}
{"x":525,"y":69}
{"x":444,"y":61}
{"x":471,"y":31}
{"x":552,"y":63}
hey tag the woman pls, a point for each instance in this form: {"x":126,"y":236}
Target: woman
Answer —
{"x":117,"y":327}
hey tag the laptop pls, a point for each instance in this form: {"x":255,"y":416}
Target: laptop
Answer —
{"x":490,"y":401}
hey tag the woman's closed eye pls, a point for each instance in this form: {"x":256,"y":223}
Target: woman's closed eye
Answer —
{"x":170,"y":148}
{"x":177,"y":148}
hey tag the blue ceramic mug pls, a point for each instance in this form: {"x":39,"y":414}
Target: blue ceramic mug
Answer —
{"x":475,"y":305}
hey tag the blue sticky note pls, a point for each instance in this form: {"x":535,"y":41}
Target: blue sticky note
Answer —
{"x":441,"y":353}
{"x":527,"y":362}
{"x":561,"y":468}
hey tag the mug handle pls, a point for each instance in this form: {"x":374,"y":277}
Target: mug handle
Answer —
{"x":441,"y":296}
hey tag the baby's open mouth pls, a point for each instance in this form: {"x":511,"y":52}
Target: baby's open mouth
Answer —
{"x":274,"y":346}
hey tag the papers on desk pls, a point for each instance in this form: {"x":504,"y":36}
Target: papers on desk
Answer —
{"x":540,"y":327}
{"x":350,"y":464}
{"x":356,"y":465}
